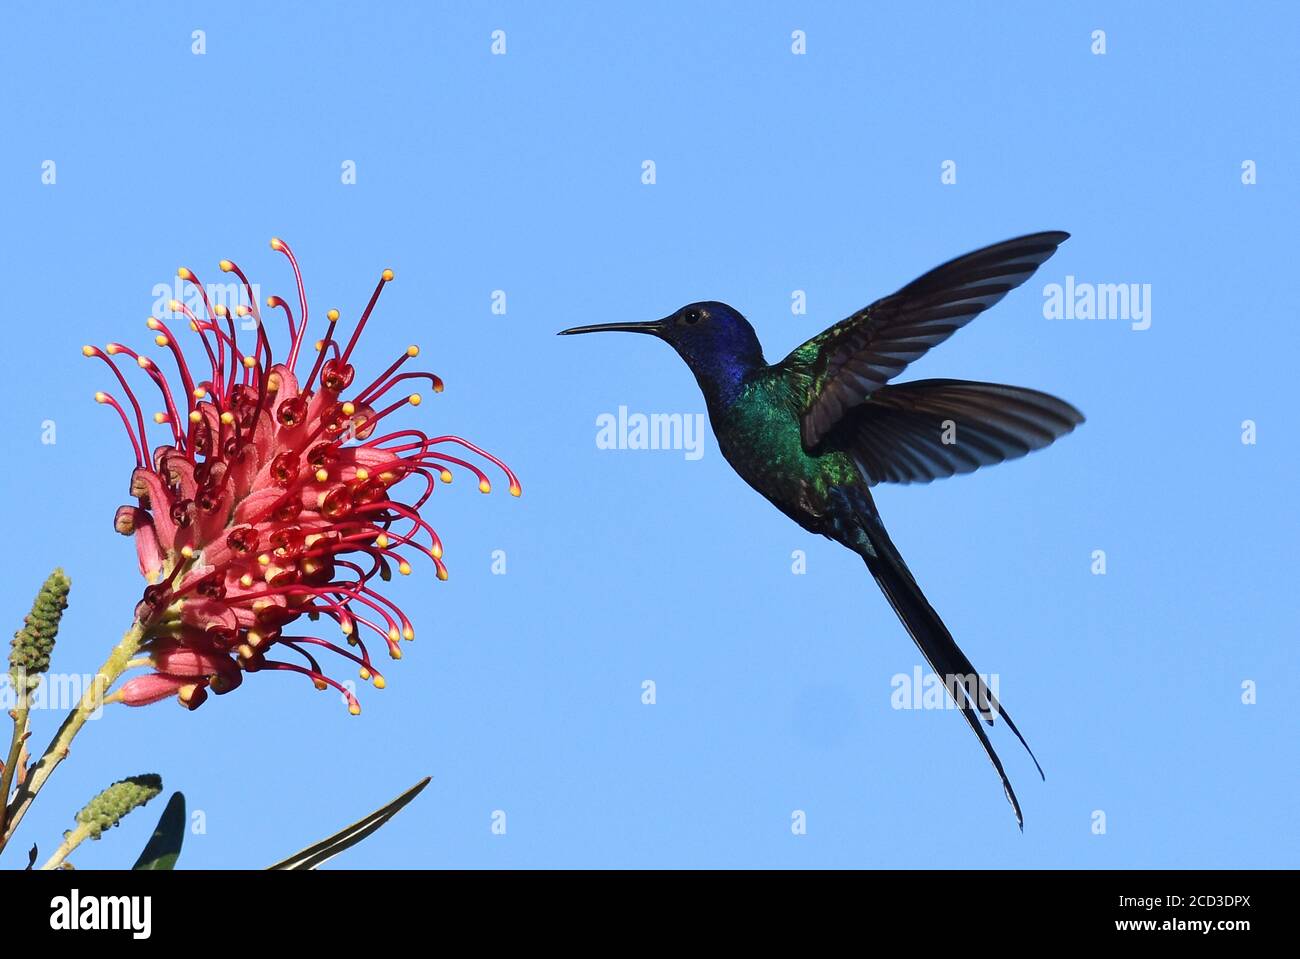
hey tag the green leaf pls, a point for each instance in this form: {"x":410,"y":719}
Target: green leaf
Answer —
{"x":327,"y":849}
{"x":164,"y":845}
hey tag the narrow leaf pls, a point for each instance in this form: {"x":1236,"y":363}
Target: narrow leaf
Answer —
{"x":164,"y":845}
{"x":327,"y":849}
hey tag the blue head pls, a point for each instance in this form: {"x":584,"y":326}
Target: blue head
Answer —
{"x":717,"y":343}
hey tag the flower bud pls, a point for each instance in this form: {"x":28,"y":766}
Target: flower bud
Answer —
{"x":29,"y":655}
{"x":108,"y":808}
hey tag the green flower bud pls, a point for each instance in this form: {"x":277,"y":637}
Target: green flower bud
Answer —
{"x":29,"y":655}
{"x":108,"y":808}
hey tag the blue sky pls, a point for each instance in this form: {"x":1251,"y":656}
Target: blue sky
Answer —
{"x":775,"y":172}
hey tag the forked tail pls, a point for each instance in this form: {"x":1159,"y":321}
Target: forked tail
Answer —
{"x":931,"y":636}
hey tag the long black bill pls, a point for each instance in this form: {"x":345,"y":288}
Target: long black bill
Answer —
{"x":654,"y":328}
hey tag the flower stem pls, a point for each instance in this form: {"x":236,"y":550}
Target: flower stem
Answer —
{"x":91,"y":701}
{"x":71,"y":841}
{"x":20,"y":712}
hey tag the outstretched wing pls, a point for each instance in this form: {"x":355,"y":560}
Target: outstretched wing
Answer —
{"x":928,"y":429}
{"x":855,"y":357}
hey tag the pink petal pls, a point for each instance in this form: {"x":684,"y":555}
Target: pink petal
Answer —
{"x":147,"y":548}
{"x":149,"y":486}
{"x":144,"y":690}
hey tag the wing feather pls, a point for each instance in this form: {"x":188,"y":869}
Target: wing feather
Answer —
{"x":930,"y":429}
{"x":853,"y":359}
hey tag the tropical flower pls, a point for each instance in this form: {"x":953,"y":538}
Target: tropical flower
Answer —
{"x":273,"y":500}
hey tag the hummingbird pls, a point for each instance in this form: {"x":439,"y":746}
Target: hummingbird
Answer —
{"x":814,"y":432}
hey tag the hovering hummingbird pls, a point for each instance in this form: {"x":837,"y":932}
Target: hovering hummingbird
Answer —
{"x":814,"y":432}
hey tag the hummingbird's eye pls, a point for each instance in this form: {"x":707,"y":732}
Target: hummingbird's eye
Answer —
{"x":692,"y":316}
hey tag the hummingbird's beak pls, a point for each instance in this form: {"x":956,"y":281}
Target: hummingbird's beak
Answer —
{"x":654,"y":328}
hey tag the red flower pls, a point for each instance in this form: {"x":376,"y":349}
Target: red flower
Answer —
{"x":272,"y":500}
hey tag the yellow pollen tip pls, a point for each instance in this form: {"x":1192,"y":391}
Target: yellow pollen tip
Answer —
{"x":161,"y":340}
{"x":87,"y":351}
{"x":264,"y":560}
{"x":322,"y":475}
{"x":394,"y":635}
{"x":332,"y":316}
{"x":276,"y":244}
{"x":152,"y":323}
{"x":355,"y":709}
{"x":199,"y":393}
{"x":227,"y":417}
{"x":320,"y":345}
{"x":250,"y":361}
{"x":112,"y":349}
{"x":245,"y":581}
{"x":395,"y":652}
{"x":362,"y":473}
{"x":381,"y":540}
{"x":346,"y":627}
{"x":101,"y":397}
{"x":408,"y":633}
{"x":515,"y":490}
{"x":242,"y":310}
{"x":442,"y":573}
{"x":484,"y":486}
{"x":194,"y":327}
{"x":388,"y":276}
{"x":320,"y":684}
{"x":226,"y":266}
{"x":404,"y":569}
{"x":414,"y":399}
{"x":184,"y":274}
{"x":196,"y":416}
{"x":365,"y":673}
{"x":270,"y":301}
{"x":142,"y":362}
{"x":412,"y":350}
{"x":445,"y":476}
{"x":220,"y":309}
{"x":160,"y":417}
{"x":187,"y":552}
{"x":436,"y":551}
{"x":174,"y":305}
{"x":348,"y":409}
{"x":380,"y":682}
